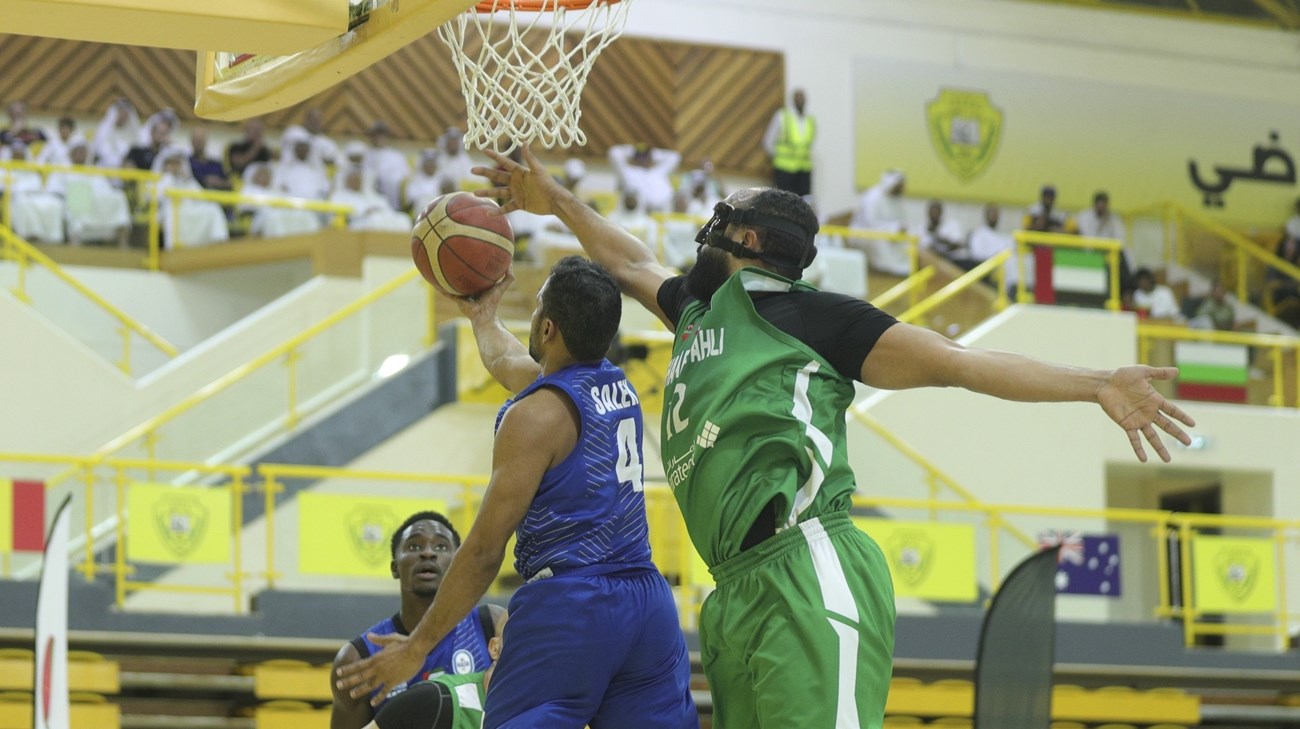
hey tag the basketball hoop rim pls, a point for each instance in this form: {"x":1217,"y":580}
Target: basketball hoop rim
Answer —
{"x":537,"y":6}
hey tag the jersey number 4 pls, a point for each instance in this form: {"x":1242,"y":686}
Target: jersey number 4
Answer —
{"x":629,"y":455}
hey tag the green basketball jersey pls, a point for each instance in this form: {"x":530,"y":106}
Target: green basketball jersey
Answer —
{"x":751,"y":415}
{"x":467,"y":695}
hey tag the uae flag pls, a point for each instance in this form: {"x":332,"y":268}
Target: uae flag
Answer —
{"x":1214,"y":372}
{"x":22,"y":516}
{"x":1066,"y":275}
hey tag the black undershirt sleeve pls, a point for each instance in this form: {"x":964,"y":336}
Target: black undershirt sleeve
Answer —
{"x":840,"y":328}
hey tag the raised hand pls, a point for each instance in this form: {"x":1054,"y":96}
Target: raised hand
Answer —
{"x":1129,"y":399}
{"x":526,"y":186}
{"x":485,"y":303}
{"x":394,"y":664}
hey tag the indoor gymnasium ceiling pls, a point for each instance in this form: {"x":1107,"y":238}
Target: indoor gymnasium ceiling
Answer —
{"x":1276,"y":13}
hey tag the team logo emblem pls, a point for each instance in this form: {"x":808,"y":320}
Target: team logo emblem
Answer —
{"x":182,"y":520}
{"x":369,"y":528}
{"x":1237,"y":569}
{"x":965,"y":128}
{"x":911,"y":553}
{"x":462,"y":661}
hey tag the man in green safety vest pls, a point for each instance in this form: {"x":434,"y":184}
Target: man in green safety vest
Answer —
{"x":788,"y":142}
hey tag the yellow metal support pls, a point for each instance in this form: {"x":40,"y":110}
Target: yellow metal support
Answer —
{"x":1113,"y":261}
{"x":1243,"y":294}
{"x":1002,"y":301}
{"x":1185,"y":572}
{"x":269,"y":488}
{"x":237,"y":520}
{"x":431,"y":314}
{"x":155,"y":230}
{"x":88,"y":500}
{"x":291,"y":364}
{"x":1278,"y":398}
{"x":1022,"y":288}
{"x":995,"y":551}
{"x":1161,"y":534}
{"x":954,"y":287}
{"x":907,"y":285}
{"x":1283,"y":625}
{"x":125,"y":364}
{"x":119,"y":549}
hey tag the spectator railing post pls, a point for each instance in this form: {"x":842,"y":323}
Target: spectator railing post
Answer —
{"x":269,"y":488}
{"x":1112,"y":260}
{"x":6,"y":213}
{"x":1185,"y":579}
{"x":1283,"y":618}
{"x":155,"y":229}
{"x":88,"y":503}
{"x":119,"y":549}
{"x":431,"y":331}
{"x":291,"y":363}
{"x":174,"y":221}
{"x":1278,"y":398}
{"x":1022,"y":290}
{"x":237,"y":519}
{"x":1002,"y":301}
{"x":1161,"y":532}
{"x":1242,"y":293}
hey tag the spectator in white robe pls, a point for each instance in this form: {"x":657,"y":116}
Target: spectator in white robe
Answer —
{"x":299,"y":173}
{"x":386,"y":163}
{"x":678,"y":234}
{"x":880,"y":209}
{"x":704,"y":187}
{"x":94,"y":209}
{"x":36,"y":215}
{"x":272,"y":222}
{"x":191,"y":222}
{"x":1100,"y":222}
{"x":426,"y":183}
{"x":986,"y":241}
{"x":58,"y":147}
{"x":1155,"y":300}
{"x":354,"y":156}
{"x":323,"y":149}
{"x":633,"y":217}
{"x":454,"y":163}
{"x":647,"y":171}
{"x":370,"y":210}
{"x":1293,"y":223}
{"x":116,"y":134}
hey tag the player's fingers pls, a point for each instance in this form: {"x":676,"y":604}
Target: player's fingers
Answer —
{"x":381,"y":693}
{"x":1136,"y":443}
{"x":1154,"y":439}
{"x":500,"y":159}
{"x":388,"y":638}
{"x":1172,"y":428}
{"x":529,"y":158}
{"x":1164,"y":373}
{"x":1178,"y":414}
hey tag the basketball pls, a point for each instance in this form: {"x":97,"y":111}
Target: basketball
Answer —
{"x":459,"y":244}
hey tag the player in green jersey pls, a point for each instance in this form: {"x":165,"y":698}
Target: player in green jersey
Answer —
{"x":754,"y":442}
{"x":448,"y":701}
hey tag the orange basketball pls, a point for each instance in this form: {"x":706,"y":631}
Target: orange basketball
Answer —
{"x":460,"y":244}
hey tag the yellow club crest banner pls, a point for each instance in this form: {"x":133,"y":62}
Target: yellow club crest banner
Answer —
{"x":1234,"y":575}
{"x":997,"y":135}
{"x":178,"y":524}
{"x":340,"y":534}
{"x":927,"y":560}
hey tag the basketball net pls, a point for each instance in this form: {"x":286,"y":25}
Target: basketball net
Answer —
{"x":523,"y":79}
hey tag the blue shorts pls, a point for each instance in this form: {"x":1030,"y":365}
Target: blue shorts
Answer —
{"x":589,"y":649}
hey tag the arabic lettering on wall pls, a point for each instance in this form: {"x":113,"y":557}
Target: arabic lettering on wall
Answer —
{"x":1270,"y":165}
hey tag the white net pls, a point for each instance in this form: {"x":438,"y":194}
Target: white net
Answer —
{"x":523,"y":79}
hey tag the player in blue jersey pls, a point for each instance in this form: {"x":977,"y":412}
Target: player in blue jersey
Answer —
{"x":593,"y":637}
{"x":422,"y":549}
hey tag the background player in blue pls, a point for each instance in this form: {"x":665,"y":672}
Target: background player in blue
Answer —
{"x":422,"y":549}
{"x":593,"y":637}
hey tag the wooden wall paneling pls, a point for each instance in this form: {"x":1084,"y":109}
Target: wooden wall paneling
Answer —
{"x":723,"y":102}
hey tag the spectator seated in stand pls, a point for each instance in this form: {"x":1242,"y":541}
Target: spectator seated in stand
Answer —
{"x":148,"y":155}
{"x":454,"y":163}
{"x":1293,"y":223}
{"x":986,"y":241}
{"x":116,"y":134}
{"x":633,"y":218}
{"x":95,"y":209}
{"x":187,"y":221}
{"x":250,"y":148}
{"x":209,"y":172}
{"x":1215,"y":311}
{"x":271,"y":222}
{"x":18,"y":129}
{"x":323,"y":149}
{"x":880,"y":209}
{"x":387,"y":164}
{"x":1154,"y":300}
{"x":647,"y":172}
{"x":1044,"y":217}
{"x":1099,"y":222}
{"x":680,"y":247}
{"x":425,"y":184}
{"x":37,"y":215}
{"x":941,"y":235}
{"x":370,"y":210}
{"x":57,"y":148}
{"x":1281,"y":287}
{"x":300,"y":174}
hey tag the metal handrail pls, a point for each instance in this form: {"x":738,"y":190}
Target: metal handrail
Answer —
{"x":22,"y":252}
{"x":339,"y":212}
{"x":994,"y":265}
{"x":1113,"y":249}
{"x":904,"y":287}
{"x":1277,"y":344}
{"x":912,"y":241}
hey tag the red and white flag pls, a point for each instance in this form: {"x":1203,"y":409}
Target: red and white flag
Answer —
{"x":51,"y":694}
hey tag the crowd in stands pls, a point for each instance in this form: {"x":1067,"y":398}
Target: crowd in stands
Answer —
{"x":381,"y":189}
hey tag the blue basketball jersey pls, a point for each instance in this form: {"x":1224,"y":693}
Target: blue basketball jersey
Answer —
{"x":590,"y":509}
{"x":464,"y":650}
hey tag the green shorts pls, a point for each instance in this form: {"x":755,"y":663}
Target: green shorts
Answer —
{"x":800,"y":631}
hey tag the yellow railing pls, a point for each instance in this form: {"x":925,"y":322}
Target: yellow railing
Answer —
{"x":1113,"y":249}
{"x":912,"y":241}
{"x":670,"y":544}
{"x":1176,"y":219}
{"x":907,"y":287}
{"x":338,"y":213}
{"x":288,"y":352}
{"x":145,"y":196}
{"x":1276,"y":345}
{"x":995,"y":265}
{"x":23,"y":254}
{"x":1164,"y":525}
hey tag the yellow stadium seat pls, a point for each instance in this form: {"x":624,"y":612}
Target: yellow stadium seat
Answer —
{"x":1166,"y":726}
{"x":1068,"y":725}
{"x":952,"y":722}
{"x":286,"y":679}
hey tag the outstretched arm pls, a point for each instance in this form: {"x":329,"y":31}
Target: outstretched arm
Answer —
{"x":628,"y":260}
{"x":536,"y":433}
{"x":504,"y":356}
{"x":906,"y":356}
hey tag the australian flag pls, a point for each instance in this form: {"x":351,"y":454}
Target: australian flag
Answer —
{"x":1087,"y":564}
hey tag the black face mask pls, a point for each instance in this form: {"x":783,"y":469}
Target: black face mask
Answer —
{"x":714,"y":235}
